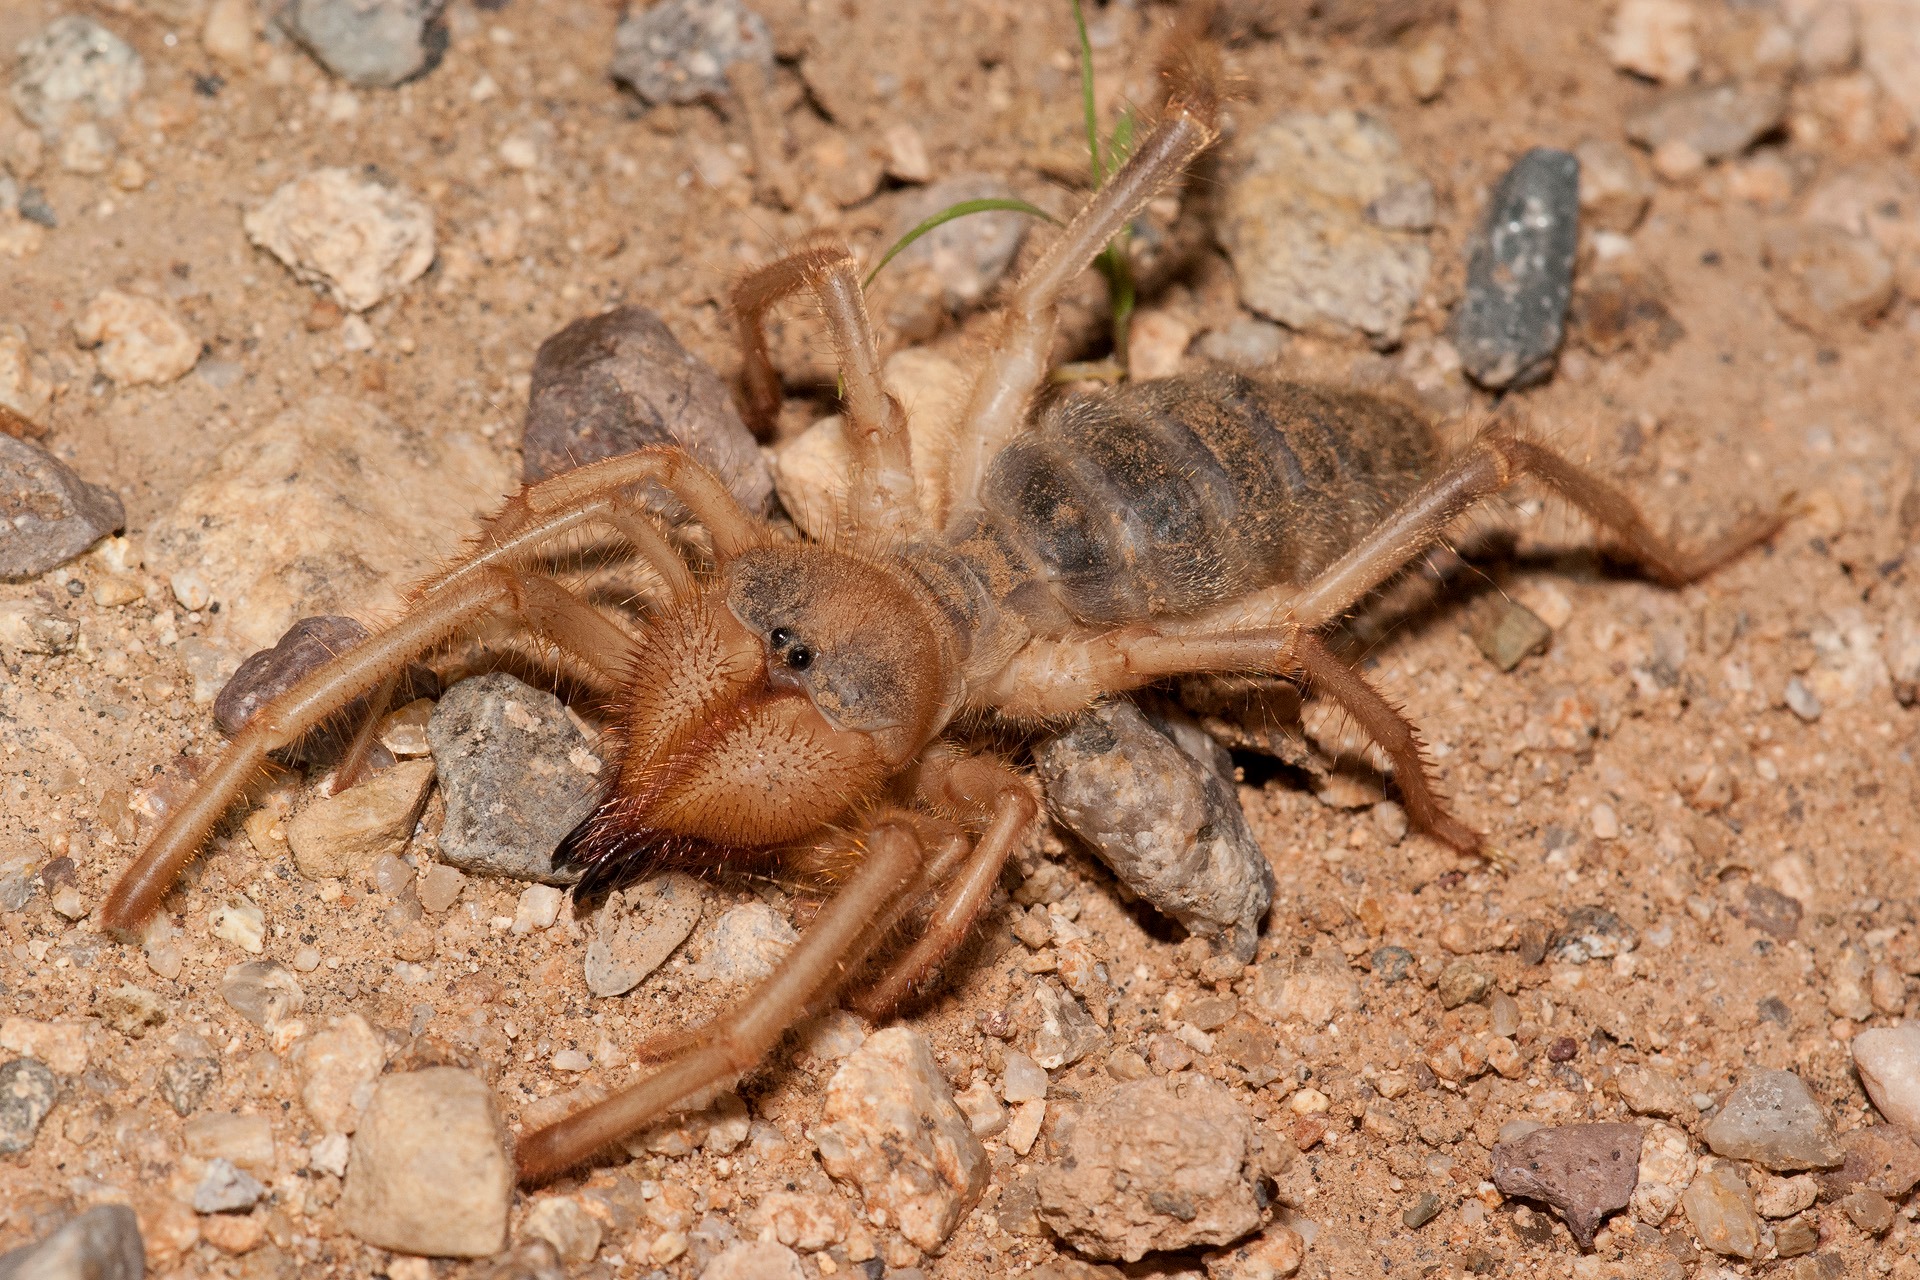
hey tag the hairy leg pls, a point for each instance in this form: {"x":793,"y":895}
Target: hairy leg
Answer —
{"x":880,"y":491}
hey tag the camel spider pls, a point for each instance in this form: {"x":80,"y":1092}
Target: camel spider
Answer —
{"x":795,"y":698}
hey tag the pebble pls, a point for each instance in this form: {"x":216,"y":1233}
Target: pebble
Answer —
{"x":1720,"y":1207}
{"x":1245,"y":343}
{"x":374,"y":44}
{"x":1888,"y":1060}
{"x":1312,"y":991}
{"x":805,"y":1222}
{"x":1156,"y":343}
{"x":1162,"y":1163}
{"x":1614,"y":188}
{"x":417,"y":1129}
{"x":329,"y":505}
{"x":1169,"y":828}
{"x":101,"y":1244}
{"x":985,"y":1116}
{"x":1295,"y":224}
{"x":53,"y":515}
{"x":538,"y":908}
{"x":1506,"y":631}
{"x":1461,"y":983}
{"x":244,"y":1140}
{"x":564,"y":1223}
{"x":264,"y":992}
{"x":1066,"y":1031}
{"x":1667,"y":1165}
{"x":343,"y":834}
{"x":60,"y":1045}
{"x":516,"y":774}
{"x":755,"y":1260}
{"x":1828,"y":282}
{"x":303,"y":648}
{"x":747,"y":942}
{"x":1800,"y":1236}
{"x":1649,"y":1091}
{"x":1655,"y":39}
{"x":1773,"y":1119}
{"x":363,"y":241}
{"x":891,"y":1130}
{"x":227,"y":34}
{"x":636,"y":928}
{"x":1868,"y":1210}
{"x":1426,"y":68}
{"x":619,"y":381}
{"x":1593,"y":933}
{"x":1879,"y":201}
{"x":679,"y":50}
{"x":74,"y":70}
{"x":226,"y":1189}
{"x":239,"y":920}
{"x":28,"y":1090}
{"x":336,"y":1068}
{"x":1715,"y":123}
{"x":131,"y":1010}
{"x":1584,"y":1171}
{"x":86,"y":148}
{"x":24,"y":385}
{"x":1784,"y":1197}
{"x":185,"y":1083}
{"x":1022,"y":1080}
{"x":1879,"y":1158}
{"x":950,"y":270}
{"x":1509,"y":325}
{"x":1890,"y":49}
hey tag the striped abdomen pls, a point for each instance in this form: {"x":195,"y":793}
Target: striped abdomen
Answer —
{"x":1168,"y":497}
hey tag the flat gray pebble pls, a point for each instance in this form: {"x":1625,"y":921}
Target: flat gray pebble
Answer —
{"x":50,"y":514}
{"x":34,"y":207}
{"x":225,"y":1188}
{"x":516,"y":776}
{"x":679,"y":50}
{"x":74,"y":70}
{"x":1584,"y":1171}
{"x":1246,"y":344}
{"x":1520,"y":272}
{"x":638,"y":927}
{"x":1773,"y":1119}
{"x":369,"y":43}
{"x":101,"y":1244}
{"x":28,"y":1090}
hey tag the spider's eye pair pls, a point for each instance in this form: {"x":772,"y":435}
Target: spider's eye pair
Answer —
{"x":796,"y":655}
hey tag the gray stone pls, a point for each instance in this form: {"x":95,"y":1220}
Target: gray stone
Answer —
{"x":1067,"y":1032}
{"x":747,"y":942}
{"x":1592,"y":933}
{"x":1157,"y":1164}
{"x":429,"y":1172}
{"x":304,"y":648}
{"x":35,"y":208}
{"x":1246,"y":344}
{"x":1718,"y":121}
{"x":1509,"y":325}
{"x":951,"y":269}
{"x":184,"y":1083}
{"x":264,"y":992}
{"x":619,"y":381}
{"x":1170,"y":829}
{"x":101,"y":1244}
{"x":516,"y":775}
{"x":1774,"y":1120}
{"x":48,"y":514}
{"x":34,"y":625}
{"x":75,"y":70}
{"x":679,"y":50}
{"x":637,"y":928}
{"x":28,"y":1090}
{"x":1584,"y":1171}
{"x":374,"y":44}
{"x":1295,"y":222}
{"x":226,"y":1189}
{"x":1506,"y":631}
{"x":1720,"y":1207}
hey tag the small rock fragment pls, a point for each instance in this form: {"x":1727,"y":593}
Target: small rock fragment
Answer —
{"x":75,"y":70}
{"x":1714,"y":123}
{"x":1799,"y":1236}
{"x":101,"y":1244}
{"x":417,"y":1130}
{"x":360,"y":239}
{"x":805,"y":1222}
{"x":241,"y":921}
{"x":892,"y":1131}
{"x":951,"y":269}
{"x":1170,"y":829}
{"x":1888,"y":1059}
{"x":747,"y":942}
{"x":1649,"y":1091}
{"x":566,"y":1225}
{"x":185,"y":1082}
{"x":1461,"y":983}
{"x":1879,"y":1158}
{"x":1295,"y":225}
{"x":227,"y":34}
{"x":1614,"y":192}
{"x":1667,"y":1165}
{"x":337,"y":1068}
{"x":28,"y":1090}
{"x":1593,"y":933}
{"x":1890,"y":49}
{"x":131,"y":1010}
{"x":264,"y":992}
{"x":1784,"y":1197}
{"x":1313,"y":991}
{"x":61,"y":1045}
{"x":246,"y":1141}
{"x":1158,"y":1164}
{"x":538,"y":908}
{"x":1274,"y":1254}
{"x":638,"y":927}
{"x":1584,"y":1171}
{"x":1246,"y":344}
{"x":1720,"y":1207}
{"x":1825,"y":281}
{"x":343,"y":834}
{"x":306,"y":646}
{"x":1067,"y":1032}
{"x":140,"y":339}
{"x":619,"y":381}
{"x":1868,"y":1210}
{"x":516,"y":774}
{"x":755,"y":1260}
{"x":34,"y":626}
{"x":1773,"y":1119}
{"x":48,"y":515}
{"x":1509,"y":325}
{"x":1507,"y":631}
{"x":985,"y":1116}
{"x":374,"y":44}
{"x":679,"y":50}
{"x":1654,"y":38}
{"x":226,"y":1189}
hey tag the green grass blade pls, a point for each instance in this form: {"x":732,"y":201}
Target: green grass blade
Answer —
{"x":1086,"y":96}
{"x":991,"y":204}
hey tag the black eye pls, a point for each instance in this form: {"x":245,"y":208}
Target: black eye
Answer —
{"x":799,"y":657}
{"x":780,"y":637}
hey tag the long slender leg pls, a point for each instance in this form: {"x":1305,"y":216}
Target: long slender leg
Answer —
{"x":1016,"y":365}
{"x":840,"y":937}
{"x":355,"y":757}
{"x":773,"y":177}
{"x":880,"y":492}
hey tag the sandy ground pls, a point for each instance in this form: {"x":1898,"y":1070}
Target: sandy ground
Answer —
{"x":1581,"y":764}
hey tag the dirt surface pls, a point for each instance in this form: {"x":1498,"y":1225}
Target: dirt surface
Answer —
{"x":1647,"y":762}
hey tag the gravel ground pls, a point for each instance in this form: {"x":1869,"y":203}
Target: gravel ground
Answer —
{"x":288,"y":315}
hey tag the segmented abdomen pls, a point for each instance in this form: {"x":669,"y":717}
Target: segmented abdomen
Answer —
{"x":1167,"y":497}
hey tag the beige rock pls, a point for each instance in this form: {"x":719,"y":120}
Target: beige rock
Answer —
{"x":61,"y":1045}
{"x":564,"y":1223}
{"x":1879,"y":201}
{"x":1155,"y":344}
{"x":345,"y":833}
{"x":756,"y":1260}
{"x":1649,"y":1091}
{"x":337,"y":1068}
{"x":1890,"y":48}
{"x":20,"y":238}
{"x":1667,"y":1166}
{"x":1783,"y":1197}
{"x":360,"y":239}
{"x":140,"y":339}
{"x":1274,"y":1254}
{"x":86,"y":148}
{"x":1825,"y":280}
{"x":1888,"y":1060}
{"x":24,"y":387}
{"x":892,"y":1131}
{"x":218,"y":1135}
{"x":1654,"y":38}
{"x":804,"y":1221}
{"x":1614,"y":189}
{"x":429,"y":1172}
{"x":1314,"y":991}
{"x":1720,"y":1208}
{"x":227,"y":35}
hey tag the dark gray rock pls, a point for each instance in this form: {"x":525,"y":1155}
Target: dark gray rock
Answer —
{"x":48,"y":515}
{"x":34,"y":208}
{"x":1584,"y":1171}
{"x":1592,"y":933}
{"x":516,"y":775}
{"x":1169,"y":827}
{"x":679,"y":50}
{"x":1718,"y":121}
{"x":1773,"y":1119}
{"x":225,"y":1188}
{"x":308,"y":645}
{"x":28,"y":1090}
{"x":374,"y":44}
{"x":1520,"y":272}
{"x":619,"y":381}
{"x":101,"y":1244}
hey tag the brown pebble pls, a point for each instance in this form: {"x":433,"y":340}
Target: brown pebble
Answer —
{"x":1585,"y":1171}
{"x":1563,"y":1049}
